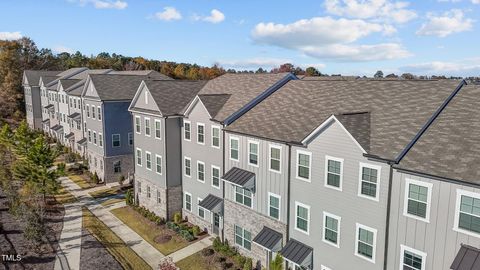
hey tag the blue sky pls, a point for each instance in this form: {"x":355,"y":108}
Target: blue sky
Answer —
{"x":336,"y":36}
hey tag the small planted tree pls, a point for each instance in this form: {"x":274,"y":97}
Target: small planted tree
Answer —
{"x":196,"y":230}
{"x":277,"y":262}
{"x":177,"y":217}
{"x":248,"y":264}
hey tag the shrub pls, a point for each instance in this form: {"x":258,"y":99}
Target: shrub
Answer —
{"x":95,"y":178}
{"x":183,"y":226}
{"x":217,"y":244}
{"x":177,"y":217}
{"x":219,"y":259}
{"x":186,"y":235}
{"x":120,"y":180}
{"x":129,"y":197}
{"x":61,"y":169}
{"x":207,"y":252}
{"x":196,"y":230}
{"x":239,"y":259}
{"x":167,"y":264}
{"x":70,"y":157}
{"x":248,"y":264}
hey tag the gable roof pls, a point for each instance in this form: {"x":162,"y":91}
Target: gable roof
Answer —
{"x":33,"y":76}
{"x":397,"y":110}
{"x":150,"y":73}
{"x":48,"y":79}
{"x":67,"y":74}
{"x":66,"y":83}
{"x":214,"y":102}
{"x":450,"y":147}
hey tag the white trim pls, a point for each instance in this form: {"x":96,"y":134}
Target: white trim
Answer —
{"x":323,"y":267}
{"x":184,"y":167}
{"x":309,"y":154}
{"x":429,"y":187}
{"x":308,"y":218}
{"x":339,"y":219}
{"x":327,"y":158}
{"x":95,"y":138}
{"x":190,"y":124}
{"x":374,"y":244}
{"x":146,"y":160}
{"x":185,"y":201}
{"x":100,"y":140}
{"x":219,"y":176}
{"x":416,"y":252}
{"x":141,"y":157}
{"x":279,"y":205}
{"x":258,"y":153}
{"x":130,"y":135}
{"x":99,"y":113}
{"x":193,"y":103}
{"x":156,"y":164}
{"x":119,"y":141}
{"x":155,"y":121}
{"x":88,"y":110}
{"x":197,"y":170}
{"x":145,"y":119}
{"x":139,"y":124}
{"x":204,"y":137}
{"x":232,"y":138}
{"x":219,"y":135}
{"x":360,"y":174}
{"x":460,"y":193}
{"x":270,"y":146}
{"x":199,"y":200}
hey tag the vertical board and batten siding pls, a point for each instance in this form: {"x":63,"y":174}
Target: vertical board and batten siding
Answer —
{"x":265,"y":180}
{"x":117,"y":120}
{"x":44,"y":102}
{"x":334,"y":141}
{"x":63,"y":109}
{"x":95,"y":125}
{"x":174,"y":149}
{"x":436,"y":238}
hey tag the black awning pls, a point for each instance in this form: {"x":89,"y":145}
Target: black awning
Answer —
{"x":75,"y":116}
{"x":46,"y":121}
{"x":49,"y":106}
{"x":82,"y":141}
{"x":269,"y":239}
{"x":298,"y":253}
{"x":211,"y":203}
{"x":56,"y":128}
{"x":467,"y":259}
{"x":240,"y":177}
{"x":70,"y":136}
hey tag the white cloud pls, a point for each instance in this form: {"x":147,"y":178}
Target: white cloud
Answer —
{"x":61,"y":49}
{"x":10,"y":35}
{"x":475,"y":1}
{"x":466,"y":67}
{"x":168,"y":14}
{"x":328,"y":38}
{"x":254,"y":63}
{"x":384,"y":10}
{"x":450,"y":22}
{"x":216,"y":16}
{"x":103,"y":4}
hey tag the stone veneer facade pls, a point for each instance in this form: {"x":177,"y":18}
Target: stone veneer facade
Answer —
{"x":127,"y":165}
{"x":192,"y":217}
{"x":159,"y":207}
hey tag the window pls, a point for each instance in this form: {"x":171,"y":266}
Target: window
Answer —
{"x":200,"y":133}
{"x":148,"y":160}
{"x":411,"y":259}
{"x":243,"y":238}
{"x":100,"y":139}
{"x":139,"y":157}
{"x":201,"y":211}
{"x":215,"y":176}
{"x":158,"y":133}
{"x":117,"y":166}
{"x":159,"y":198}
{"x":366,"y":242}
{"x":130,"y":138}
{"x":253,"y":153}
{"x":331,"y":229}
{"x":369,"y":181}
{"x":88,"y":111}
{"x":139,"y":186}
{"x":93,"y":112}
{"x":302,"y":213}
{"x":89,"y":136}
{"x":467,"y":212}
{"x":274,"y":205}
{"x":304,"y":159}
{"x":147,"y":126}
{"x":215,"y":136}
{"x":71,"y":102}
{"x":188,"y":166}
{"x":95,"y":138}
{"x":275,"y":154}
{"x":333,"y":172}
{"x":200,"y":171}
{"x":138,"y":126}
{"x":99,"y":113}
{"x":148,"y":191}
{"x":243,"y":196}
{"x":187,"y":130}
{"x":188,"y":201}
{"x":417,"y":199}
{"x":74,"y":103}
{"x":116,"y":140}
{"x":158,"y":160}
{"x":234,"y":148}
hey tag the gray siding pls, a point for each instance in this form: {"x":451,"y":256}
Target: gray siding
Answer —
{"x":174,"y":151}
{"x":117,"y":120}
{"x":64,"y":110}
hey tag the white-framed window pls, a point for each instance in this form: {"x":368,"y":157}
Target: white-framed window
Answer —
{"x":130,"y":138}
{"x":95,"y":138}
{"x":88,"y":111}
{"x":234,"y":148}
{"x":215,"y":176}
{"x":243,"y":238}
{"x":369,"y":181}
{"x":158,"y":130}
{"x":416,"y":203}
{"x":187,"y":130}
{"x":331,"y":229}
{"x":243,"y":196}
{"x":201,"y":171}
{"x":366,"y":242}
{"x":187,"y":164}
{"x":200,"y":133}
{"x":99,"y":110}
{"x":304,"y":161}
{"x":333,"y":172}
{"x":274,"y":205}
{"x":201,"y":211}
{"x":158,"y":163}
{"x":100,"y":139}
{"x":115,"y":140}
{"x":139,"y":157}
{"x":147,"y":126}
{"x":138,"y":125}
{"x":93,"y":112}
{"x":148,"y":192}
{"x":412,"y":259}
{"x":216,"y":136}
{"x":275,"y":153}
{"x":89,"y":136}
{"x":117,"y":166}
{"x":253,"y":153}
{"x":188,"y":201}
{"x":148,"y":160}
{"x":467,"y":213}
{"x":302,"y":217}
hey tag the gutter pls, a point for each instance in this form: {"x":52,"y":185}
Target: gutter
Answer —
{"x":223,"y":186}
{"x":387,"y":222}
{"x":288,"y":191}
{"x":166,"y":170}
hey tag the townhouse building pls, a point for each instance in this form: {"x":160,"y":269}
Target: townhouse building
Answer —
{"x":220,"y":102}
{"x":157,"y":117}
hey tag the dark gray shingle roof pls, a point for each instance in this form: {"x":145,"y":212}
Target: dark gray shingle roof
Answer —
{"x":66,"y":83}
{"x":268,"y":238}
{"x":398,"y":109}
{"x":358,"y":124}
{"x":214,"y":102}
{"x":238,"y":176}
{"x":295,"y":251}
{"x":33,"y":76}
{"x":150,"y":73}
{"x":468,"y":258}
{"x":210,"y":202}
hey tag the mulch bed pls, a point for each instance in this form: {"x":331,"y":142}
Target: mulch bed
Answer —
{"x":13,"y":242}
{"x":94,"y":255}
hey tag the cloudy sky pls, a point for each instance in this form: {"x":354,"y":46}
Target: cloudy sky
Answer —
{"x":336,"y":36}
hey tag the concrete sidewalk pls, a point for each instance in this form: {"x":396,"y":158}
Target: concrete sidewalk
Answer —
{"x":191,"y":249}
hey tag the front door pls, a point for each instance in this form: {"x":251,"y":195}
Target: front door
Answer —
{"x":216,"y":223}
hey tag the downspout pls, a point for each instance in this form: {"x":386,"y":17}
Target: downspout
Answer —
{"x":288,"y":190}
{"x":166,"y":170}
{"x":387,"y":223}
{"x":223,"y":186}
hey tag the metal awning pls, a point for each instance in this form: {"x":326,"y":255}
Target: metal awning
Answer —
{"x":46,"y":121}
{"x":57,"y":128}
{"x":269,"y":239}
{"x":298,"y":253}
{"x":82,"y":141}
{"x":70,"y":136}
{"x":468,"y":258}
{"x":50,"y":107}
{"x":240,"y":177}
{"x":75,"y":116}
{"x":212,"y":203}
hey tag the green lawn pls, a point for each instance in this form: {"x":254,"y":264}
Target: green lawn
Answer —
{"x":122,"y":253}
{"x":80,"y":181}
{"x":102,"y":193}
{"x":149,"y":231}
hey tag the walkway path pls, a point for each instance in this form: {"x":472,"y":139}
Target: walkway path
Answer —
{"x":191,"y":249}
